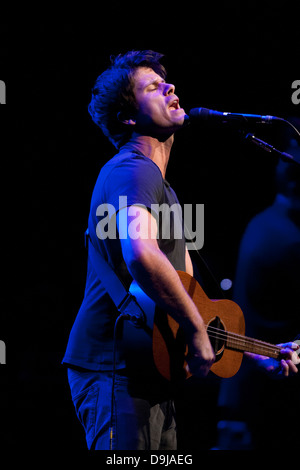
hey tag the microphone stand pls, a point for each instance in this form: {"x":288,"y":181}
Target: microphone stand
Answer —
{"x":286,"y":157}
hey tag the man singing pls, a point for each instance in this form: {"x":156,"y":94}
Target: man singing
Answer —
{"x":137,"y":109}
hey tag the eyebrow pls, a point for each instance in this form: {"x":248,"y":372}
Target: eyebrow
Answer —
{"x":152,"y":81}
{"x":155,"y":81}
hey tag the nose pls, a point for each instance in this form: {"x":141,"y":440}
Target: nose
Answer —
{"x":169,"y":89}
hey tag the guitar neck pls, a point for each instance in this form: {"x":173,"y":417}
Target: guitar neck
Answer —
{"x":245,"y":344}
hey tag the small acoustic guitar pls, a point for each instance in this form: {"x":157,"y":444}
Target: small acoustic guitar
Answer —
{"x":225,"y":326}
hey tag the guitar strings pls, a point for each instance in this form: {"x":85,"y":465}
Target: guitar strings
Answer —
{"x":242,"y":338}
{"x":243,"y":342}
{"x":218,"y":333}
{"x":248,"y":346}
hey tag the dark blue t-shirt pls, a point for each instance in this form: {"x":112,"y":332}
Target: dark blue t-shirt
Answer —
{"x":130,"y":174}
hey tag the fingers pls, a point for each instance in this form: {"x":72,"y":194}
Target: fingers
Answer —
{"x":291,"y":345}
{"x":199,"y":366}
{"x":284,"y":368}
{"x":288,"y":367}
{"x":292,"y":367}
{"x":290,"y":357}
{"x":287,"y":353}
{"x":290,"y":351}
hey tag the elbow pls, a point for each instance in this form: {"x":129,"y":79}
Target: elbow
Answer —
{"x":138,"y":256}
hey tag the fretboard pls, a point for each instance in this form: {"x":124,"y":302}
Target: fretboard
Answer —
{"x":245,"y":344}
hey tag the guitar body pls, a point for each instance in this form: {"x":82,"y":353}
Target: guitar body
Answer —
{"x":168,"y":338}
{"x":161,"y":343}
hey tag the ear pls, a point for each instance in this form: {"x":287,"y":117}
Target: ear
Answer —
{"x":125,"y":120}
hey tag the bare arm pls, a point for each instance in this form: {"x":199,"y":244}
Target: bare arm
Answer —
{"x":157,"y":277}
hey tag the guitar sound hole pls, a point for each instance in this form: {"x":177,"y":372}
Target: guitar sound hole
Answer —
{"x":217,"y":335}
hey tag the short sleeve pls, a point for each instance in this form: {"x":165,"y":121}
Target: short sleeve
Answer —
{"x":136,"y":180}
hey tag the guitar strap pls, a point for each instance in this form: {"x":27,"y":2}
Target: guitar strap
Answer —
{"x":203,"y":262}
{"x":124,"y":301}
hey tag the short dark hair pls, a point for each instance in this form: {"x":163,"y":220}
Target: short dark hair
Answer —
{"x":113,"y":93}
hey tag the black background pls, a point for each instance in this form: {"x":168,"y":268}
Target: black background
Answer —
{"x":222,"y":57}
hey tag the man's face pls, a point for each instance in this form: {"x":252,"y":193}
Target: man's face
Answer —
{"x":158,"y":110}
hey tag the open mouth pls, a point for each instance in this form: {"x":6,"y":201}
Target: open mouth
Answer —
{"x":174,"y":104}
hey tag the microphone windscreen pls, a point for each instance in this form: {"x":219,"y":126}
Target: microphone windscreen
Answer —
{"x":199,"y":112}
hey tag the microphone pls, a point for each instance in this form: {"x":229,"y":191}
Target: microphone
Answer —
{"x":205,"y":114}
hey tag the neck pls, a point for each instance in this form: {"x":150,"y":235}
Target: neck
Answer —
{"x":155,"y":149}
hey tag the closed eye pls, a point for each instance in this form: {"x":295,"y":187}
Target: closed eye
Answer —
{"x":154,"y":85}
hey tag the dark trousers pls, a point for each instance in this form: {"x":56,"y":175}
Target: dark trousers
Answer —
{"x":142,"y":419}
